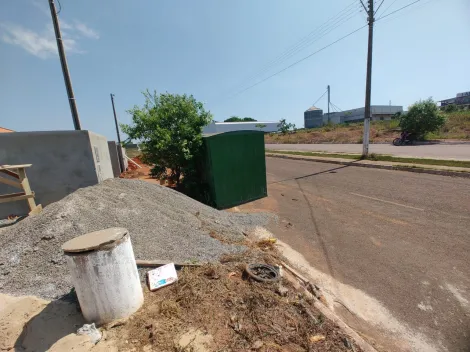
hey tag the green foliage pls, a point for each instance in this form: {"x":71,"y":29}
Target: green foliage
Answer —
{"x":422,"y":117}
{"x":260,"y":125}
{"x":239,"y":119}
{"x":285,"y":127}
{"x":169,"y":128}
{"x":450,"y":108}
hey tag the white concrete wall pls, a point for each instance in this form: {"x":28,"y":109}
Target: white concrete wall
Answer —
{"x":63,"y":161}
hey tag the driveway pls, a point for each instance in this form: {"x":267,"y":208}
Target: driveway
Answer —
{"x":391,"y":247}
{"x":434,"y":151}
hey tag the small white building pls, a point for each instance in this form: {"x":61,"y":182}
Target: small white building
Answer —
{"x":219,"y":127}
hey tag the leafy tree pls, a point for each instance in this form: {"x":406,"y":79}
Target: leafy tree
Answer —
{"x":233,"y":119}
{"x":239,"y":119}
{"x":422,"y":117}
{"x":169,"y":128}
{"x":285,"y":127}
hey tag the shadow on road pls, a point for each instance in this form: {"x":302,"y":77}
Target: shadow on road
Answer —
{"x":333,"y":170}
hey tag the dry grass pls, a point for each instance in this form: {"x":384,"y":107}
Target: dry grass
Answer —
{"x":456,"y":127}
{"x":220,"y":301}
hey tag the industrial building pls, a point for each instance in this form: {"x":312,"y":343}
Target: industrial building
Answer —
{"x":461,"y":99}
{"x":379,"y":112}
{"x":219,"y":127}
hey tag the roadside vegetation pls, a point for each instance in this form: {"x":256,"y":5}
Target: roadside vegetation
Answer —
{"x":379,"y":157}
{"x":169,"y":130}
{"x":456,"y":126}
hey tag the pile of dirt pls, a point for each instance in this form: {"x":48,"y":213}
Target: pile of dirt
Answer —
{"x":163,"y":225}
{"x":217,"y":308}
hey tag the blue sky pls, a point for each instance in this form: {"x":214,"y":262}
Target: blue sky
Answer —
{"x":211,"y":48}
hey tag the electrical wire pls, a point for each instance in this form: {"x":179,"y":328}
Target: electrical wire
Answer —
{"x":60,"y":7}
{"x":401,"y":8}
{"x":326,"y":91}
{"x":378,"y":8}
{"x":336,"y":106}
{"x":320,"y":50}
{"x":299,"y":61}
{"x":389,"y":6}
{"x":342,"y":17}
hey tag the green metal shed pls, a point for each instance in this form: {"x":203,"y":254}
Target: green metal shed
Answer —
{"x":235,"y":167}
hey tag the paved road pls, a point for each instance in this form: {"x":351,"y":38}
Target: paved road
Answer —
{"x":438,"y":151}
{"x":392,"y":247}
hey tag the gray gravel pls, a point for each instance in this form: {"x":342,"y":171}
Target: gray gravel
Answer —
{"x":163,"y":224}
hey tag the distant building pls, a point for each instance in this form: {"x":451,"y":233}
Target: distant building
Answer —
{"x":313,"y":117}
{"x":5,"y":130}
{"x":378,"y":112}
{"x":218,"y":127}
{"x":461,"y":99}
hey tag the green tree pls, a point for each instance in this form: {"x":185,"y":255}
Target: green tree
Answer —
{"x":169,"y":128}
{"x":422,"y":117}
{"x":249,"y":119}
{"x":285,"y":127}
{"x":233,"y":119}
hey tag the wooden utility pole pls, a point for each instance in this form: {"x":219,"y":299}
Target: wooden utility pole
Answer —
{"x":65,"y":69}
{"x":367,"y":109}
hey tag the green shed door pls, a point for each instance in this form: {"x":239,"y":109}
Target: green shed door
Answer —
{"x":237,"y":167}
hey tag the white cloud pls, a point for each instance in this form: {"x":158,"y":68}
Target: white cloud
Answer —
{"x":43,"y":43}
{"x":85,"y":30}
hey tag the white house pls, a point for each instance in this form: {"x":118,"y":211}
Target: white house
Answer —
{"x":218,"y":127}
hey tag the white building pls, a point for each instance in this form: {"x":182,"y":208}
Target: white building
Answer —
{"x":218,"y":127}
{"x":378,"y":112}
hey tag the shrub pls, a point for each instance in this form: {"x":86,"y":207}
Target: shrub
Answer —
{"x":169,"y":128}
{"x":422,"y":117}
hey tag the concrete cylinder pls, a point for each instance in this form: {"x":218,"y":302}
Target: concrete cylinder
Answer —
{"x":104,"y":273}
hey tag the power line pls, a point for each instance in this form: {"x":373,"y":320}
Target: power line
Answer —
{"x":389,"y":6}
{"x":378,"y":8}
{"x":342,"y":17}
{"x":320,"y":97}
{"x":60,"y":7}
{"x":318,"y":51}
{"x":336,"y":106}
{"x":299,"y":61}
{"x":401,"y":8}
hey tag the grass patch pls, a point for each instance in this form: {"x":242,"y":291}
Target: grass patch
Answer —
{"x":380,"y":157}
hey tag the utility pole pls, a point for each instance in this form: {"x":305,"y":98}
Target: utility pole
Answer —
{"x":115,"y":119}
{"x":367,"y":109}
{"x":121,"y":161}
{"x":65,"y":69}
{"x":328,"y":88}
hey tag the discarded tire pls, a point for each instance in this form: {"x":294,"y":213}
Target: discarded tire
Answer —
{"x":262,"y":272}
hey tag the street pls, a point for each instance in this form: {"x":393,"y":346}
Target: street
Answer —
{"x":433,"y":151}
{"x":392,"y":247}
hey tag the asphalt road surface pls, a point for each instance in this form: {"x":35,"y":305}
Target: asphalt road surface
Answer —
{"x":433,"y":151}
{"x":392,"y":246}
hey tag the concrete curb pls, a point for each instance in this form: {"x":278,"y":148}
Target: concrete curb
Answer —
{"x":391,"y":166}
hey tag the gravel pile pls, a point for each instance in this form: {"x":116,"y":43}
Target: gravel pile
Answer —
{"x":163,"y":224}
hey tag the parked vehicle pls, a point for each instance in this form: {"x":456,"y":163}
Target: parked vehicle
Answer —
{"x":405,"y":139}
